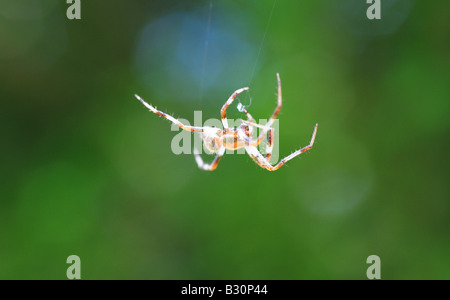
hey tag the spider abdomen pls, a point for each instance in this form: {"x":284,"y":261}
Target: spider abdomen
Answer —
{"x":232,"y":141}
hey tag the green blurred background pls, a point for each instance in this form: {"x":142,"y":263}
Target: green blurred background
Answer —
{"x":87,"y":170}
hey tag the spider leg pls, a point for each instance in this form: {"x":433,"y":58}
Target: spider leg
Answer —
{"x":275,"y":113}
{"x":269,"y":146}
{"x":169,"y":117}
{"x":256,"y":143}
{"x":254,"y":153}
{"x":214,"y":163}
{"x":223,"y":111}
{"x":250,"y":120}
{"x":252,"y":123}
{"x":263,"y":162}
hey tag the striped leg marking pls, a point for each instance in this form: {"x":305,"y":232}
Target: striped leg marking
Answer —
{"x":214,"y":163}
{"x":250,"y":120}
{"x":275,"y":113}
{"x":223,"y":111}
{"x":269,"y":147}
{"x":263,"y":162}
{"x":169,"y":117}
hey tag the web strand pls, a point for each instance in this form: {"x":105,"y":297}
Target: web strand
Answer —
{"x":260,"y":49}
{"x":262,"y":42}
{"x":205,"y":51}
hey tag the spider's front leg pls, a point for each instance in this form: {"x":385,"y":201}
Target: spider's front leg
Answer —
{"x":223,"y":111}
{"x":214,"y":163}
{"x":169,"y":117}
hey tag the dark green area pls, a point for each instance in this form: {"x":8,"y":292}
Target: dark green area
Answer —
{"x":87,"y":170}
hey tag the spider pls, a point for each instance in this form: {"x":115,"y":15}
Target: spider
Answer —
{"x":217,"y":140}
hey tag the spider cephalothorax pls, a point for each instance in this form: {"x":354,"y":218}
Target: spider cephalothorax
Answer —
{"x":217,"y":140}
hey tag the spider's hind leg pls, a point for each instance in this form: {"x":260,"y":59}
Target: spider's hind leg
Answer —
{"x":263,"y":162}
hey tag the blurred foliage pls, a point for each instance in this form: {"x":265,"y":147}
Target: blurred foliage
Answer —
{"x":87,"y":170}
